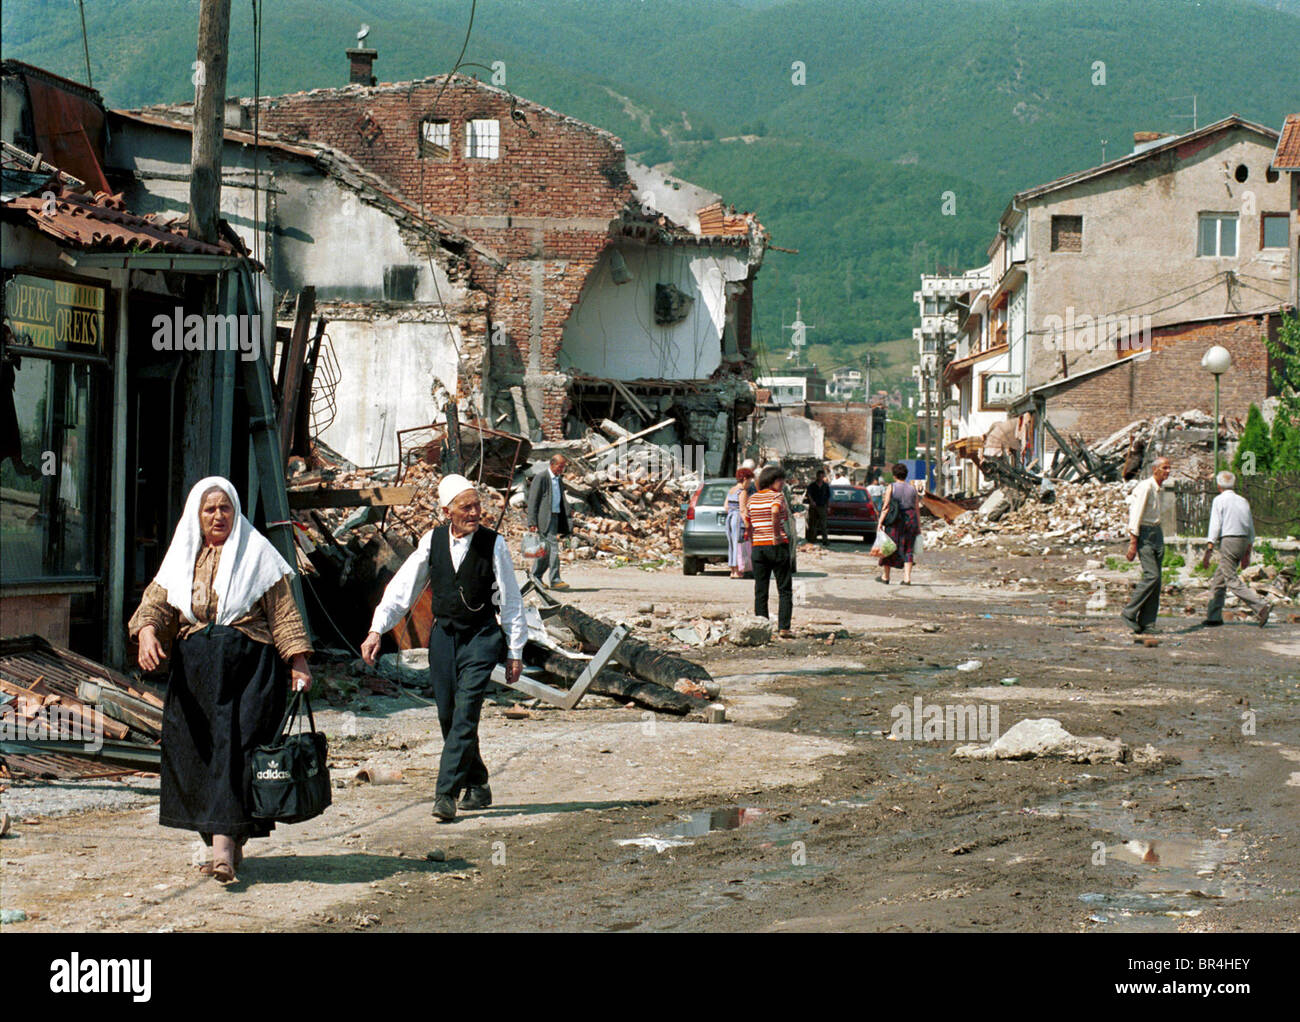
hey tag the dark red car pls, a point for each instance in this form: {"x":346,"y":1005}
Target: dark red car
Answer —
{"x":851,"y":510}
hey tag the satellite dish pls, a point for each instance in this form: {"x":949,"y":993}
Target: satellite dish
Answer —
{"x":365,"y":31}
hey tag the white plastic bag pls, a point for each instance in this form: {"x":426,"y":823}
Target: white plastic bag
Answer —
{"x":916,"y":545}
{"x":884,"y":546}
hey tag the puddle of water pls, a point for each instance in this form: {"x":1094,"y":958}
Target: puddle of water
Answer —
{"x":705,"y":821}
{"x":696,"y":824}
{"x":1176,"y":876}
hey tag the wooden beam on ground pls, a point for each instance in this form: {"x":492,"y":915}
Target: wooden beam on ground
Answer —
{"x":369,"y":496}
{"x":632,"y":436}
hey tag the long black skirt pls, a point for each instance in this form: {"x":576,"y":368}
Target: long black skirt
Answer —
{"x":225,"y":696}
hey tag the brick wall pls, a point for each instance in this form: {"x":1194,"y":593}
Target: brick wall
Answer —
{"x":553,"y":167}
{"x":847,"y":423}
{"x":1169,"y":381}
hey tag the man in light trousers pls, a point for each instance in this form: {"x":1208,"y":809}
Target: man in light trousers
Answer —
{"x":1146,"y":542}
{"x":1232,"y":527}
{"x":548,"y":514}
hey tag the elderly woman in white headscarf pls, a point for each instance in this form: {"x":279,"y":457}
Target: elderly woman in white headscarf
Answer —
{"x":223,"y":604}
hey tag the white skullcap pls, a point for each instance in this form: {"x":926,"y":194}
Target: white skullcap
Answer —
{"x":748,"y":463}
{"x":451,"y":487}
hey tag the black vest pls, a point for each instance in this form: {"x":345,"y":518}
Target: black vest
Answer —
{"x":463,"y":599}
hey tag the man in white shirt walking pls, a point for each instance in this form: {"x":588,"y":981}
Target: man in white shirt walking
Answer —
{"x":1146,"y":542}
{"x":1232,"y":527}
{"x":468,"y":568}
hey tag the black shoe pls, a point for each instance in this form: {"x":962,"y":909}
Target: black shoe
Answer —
{"x":1137,"y":628}
{"x":477,"y":796}
{"x":1212,"y":624}
{"x":444,"y":808}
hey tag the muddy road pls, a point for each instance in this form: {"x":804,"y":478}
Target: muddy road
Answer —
{"x":800,"y":813}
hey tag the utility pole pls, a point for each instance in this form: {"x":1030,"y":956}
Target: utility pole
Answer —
{"x":941,"y":367}
{"x":209,"y":119}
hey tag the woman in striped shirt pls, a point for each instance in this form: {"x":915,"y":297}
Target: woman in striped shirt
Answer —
{"x":768,"y":518}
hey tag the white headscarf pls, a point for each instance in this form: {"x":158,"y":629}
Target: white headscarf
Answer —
{"x":249,"y":565}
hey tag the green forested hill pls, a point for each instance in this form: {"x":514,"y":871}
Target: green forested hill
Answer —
{"x":903,"y":100}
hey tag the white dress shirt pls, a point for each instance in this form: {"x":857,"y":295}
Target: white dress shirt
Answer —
{"x":1230,"y":516}
{"x":555,"y":492}
{"x":413,"y":575}
{"x":1144,"y":508}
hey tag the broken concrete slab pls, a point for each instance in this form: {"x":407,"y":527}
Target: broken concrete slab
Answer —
{"x":750,"y":630}
{"x":995,"y":506}
{"x":1045,"y":738}
{"x":409,"y":667}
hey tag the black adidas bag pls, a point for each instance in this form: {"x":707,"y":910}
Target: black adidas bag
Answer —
{"x":291,"y":778}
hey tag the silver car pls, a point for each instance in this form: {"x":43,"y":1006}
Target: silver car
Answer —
{"x":704,"y":533}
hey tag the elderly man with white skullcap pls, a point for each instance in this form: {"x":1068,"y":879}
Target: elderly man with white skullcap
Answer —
{"x":468,"y":568}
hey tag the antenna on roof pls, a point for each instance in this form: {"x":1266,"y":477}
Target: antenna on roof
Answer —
{"x":1192,"y":115}
{"x":1104,"y":142}
{"x":365,"y":31}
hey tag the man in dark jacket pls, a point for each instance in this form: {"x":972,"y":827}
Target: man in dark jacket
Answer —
{"x":548,"y":515}
{"x":819,"y":502}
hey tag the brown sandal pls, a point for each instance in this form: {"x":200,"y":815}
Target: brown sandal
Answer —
{"x":223,"y":873}
{"x":205,"y":869}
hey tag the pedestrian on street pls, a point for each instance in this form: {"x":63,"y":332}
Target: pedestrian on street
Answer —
{"x":738,"y":544}
{"x":819,"y":505}
{"x":876,"y":490}
{"x":223,"y":603}
{"x":1233,"y":527}
{"x":903,"y":527}
{"x":842,"y":479}
{"x":1146,"y":542}
{"x":468,"y":569}
{"x":548,"y":514}
{"x":769,"y":520}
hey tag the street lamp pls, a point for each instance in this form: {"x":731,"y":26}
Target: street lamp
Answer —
{"x":1217,"y":360}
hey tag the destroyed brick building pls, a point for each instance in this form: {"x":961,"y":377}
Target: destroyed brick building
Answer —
{"x":566,"y":283}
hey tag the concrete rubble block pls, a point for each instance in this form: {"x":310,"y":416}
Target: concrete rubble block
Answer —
{"x":749,"y":630}
{"x":1044,"y":738}
{"x":409,"y":667}
{"x":995,"y":505}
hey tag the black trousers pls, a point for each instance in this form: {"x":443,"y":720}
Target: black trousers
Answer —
{"x":769,"y":561}
{"x":460,"y":666}
{"x":817,"y":519}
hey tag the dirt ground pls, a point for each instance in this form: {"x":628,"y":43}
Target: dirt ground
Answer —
{"x":799,"y":813}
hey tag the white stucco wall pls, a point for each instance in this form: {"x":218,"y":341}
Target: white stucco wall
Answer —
{"x":387,"y":374}
{"x":612,"y":331}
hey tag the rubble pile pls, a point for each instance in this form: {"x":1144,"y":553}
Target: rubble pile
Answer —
{"x":625,"y":499}
{"x":1080,"y":512}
